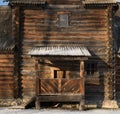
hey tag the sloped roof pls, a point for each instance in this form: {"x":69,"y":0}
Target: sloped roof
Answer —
{"x":60,"y":51}
{"x":6,"y":40}
{"x":99,"y":1}
{"x":28,"y":1}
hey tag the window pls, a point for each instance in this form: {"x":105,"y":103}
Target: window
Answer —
{"x":59,"y":74}
{"x":91,"y":68}
{"x":63,"y":20}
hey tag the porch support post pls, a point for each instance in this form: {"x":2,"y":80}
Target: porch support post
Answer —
{"x":82,"y":69}
{"x":37,"y":102}
{"x":82,"y":89}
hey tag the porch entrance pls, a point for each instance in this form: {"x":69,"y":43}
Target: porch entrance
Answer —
{"x":60,"y":88}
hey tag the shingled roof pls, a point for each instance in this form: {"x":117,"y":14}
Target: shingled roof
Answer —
{"x":28,"y":2}
{"x":60,"y":51}
{"x":6,"y":40}
{"x":99,"y":1}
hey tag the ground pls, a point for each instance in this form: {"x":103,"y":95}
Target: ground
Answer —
{"x":56,"y":111}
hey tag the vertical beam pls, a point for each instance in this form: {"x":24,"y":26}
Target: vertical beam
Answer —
{"x":82,"y":69}
{"x":82,"y":88}
{"x":16,"y":37}
{"x":108,"y":82}
{"x":109,"y":101}
{"x":37,"y":102}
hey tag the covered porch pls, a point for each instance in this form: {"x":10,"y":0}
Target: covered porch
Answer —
{"x":61,"y":85}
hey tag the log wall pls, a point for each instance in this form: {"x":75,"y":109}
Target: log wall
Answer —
{"x":6,"y":76}
{"x":87,"y":27}
{"x":6,"y":55}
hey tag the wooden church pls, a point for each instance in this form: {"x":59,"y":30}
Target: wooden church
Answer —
{"x":59,"y":51}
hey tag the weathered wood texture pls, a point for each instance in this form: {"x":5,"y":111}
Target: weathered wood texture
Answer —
{"x":89,"y":27}
{"x":7,"y":76}
{"x":6,"y":55}
{"x":117,"y":81}
{"x":68,"y":86}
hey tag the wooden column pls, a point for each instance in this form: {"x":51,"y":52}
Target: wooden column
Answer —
{"x":16,"y":37}
{"x":81,"y":69}
{"x":82,"y":89}
{"x":37,"y":102}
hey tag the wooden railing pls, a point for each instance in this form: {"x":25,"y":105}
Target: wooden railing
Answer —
{"x":60,"y":86}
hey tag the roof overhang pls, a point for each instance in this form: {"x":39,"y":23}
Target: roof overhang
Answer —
{"x":28,"y":2}
{"x":73,"y":53}
{"x":86,"y":2}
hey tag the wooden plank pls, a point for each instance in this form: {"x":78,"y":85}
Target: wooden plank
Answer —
{"x":60,"y":98}
{"x":49,"y":86}
{"x":6,"y":96}
{"x":71,"y":86}
{"x":6,"y":60}
{"x":6,"y":68}
{"x":6,"y":72}
{"x":7,"y":64}
{"x":6,"y":56}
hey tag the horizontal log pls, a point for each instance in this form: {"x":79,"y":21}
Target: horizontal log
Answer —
{"x":7,"y":64}
{"x":63,"y":38}
{"x":28,"y":77}
{"x":25,"y":74}
{"x":97,"y":43}
{"x":54,"y":33}
{"x":95,"y":90}
{"x":6,"y":68}
{"x":47,"y":11}
{"x":65,"y":34}
{"x":6,"y":95}
{"x":6,"y":79}
{"x":69,"y":29}
{"x":7,"y":72}
{"x":6,"y":90}
{"x":6,"y":56}
{"x":28,"y":64}
{"x":60,"y":98}
{"x":72,"y":23}
{"x":7,"y":85}
{"x":25,"y":90}
{"x":6,"y":82}
{"x":32,"y":82}
{"x":26,"y":86}
{"x":92,"y":94}
{"x":28,"y":94}
{"x":94,"y":99}
{"x":53,"y":15}
{"x":6,"y":60}
{"x":28,"y":68}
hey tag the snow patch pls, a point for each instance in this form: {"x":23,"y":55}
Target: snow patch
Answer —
{"x":56,"y":111}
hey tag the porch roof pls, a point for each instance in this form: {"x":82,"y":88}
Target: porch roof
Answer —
{"x":99,"y":1}
{"x":28,"y":1}
{"x":60,"y":51}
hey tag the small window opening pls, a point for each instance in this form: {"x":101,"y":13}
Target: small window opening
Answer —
{"x":91,"y":68}
{"x":59,"y":74}
{"x":63,"y":20}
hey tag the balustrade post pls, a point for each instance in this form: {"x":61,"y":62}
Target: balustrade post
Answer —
{"x":82,"y":89}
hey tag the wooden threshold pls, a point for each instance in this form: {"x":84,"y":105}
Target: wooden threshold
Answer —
{"x":60,"y":98}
